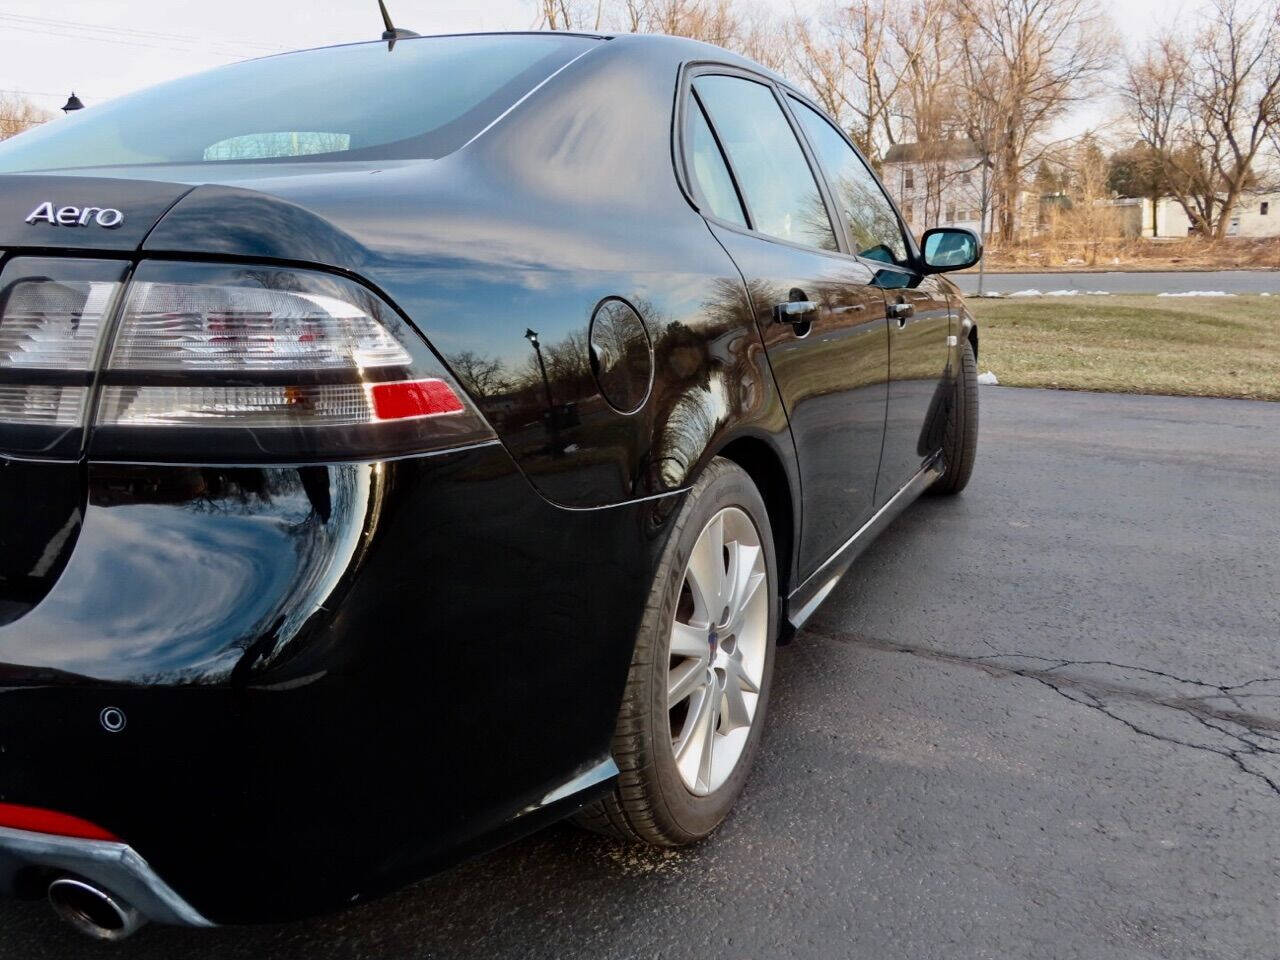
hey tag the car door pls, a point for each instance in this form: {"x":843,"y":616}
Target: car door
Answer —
{"x":818,"y":309}
{"x":919,"y":318}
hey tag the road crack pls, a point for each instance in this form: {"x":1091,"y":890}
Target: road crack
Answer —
{"x":1223,"y":720}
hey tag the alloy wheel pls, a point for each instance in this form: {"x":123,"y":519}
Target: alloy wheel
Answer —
{"x":718,"y":644}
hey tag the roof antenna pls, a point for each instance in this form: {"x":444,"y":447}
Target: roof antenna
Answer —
{"x":392,"y":33}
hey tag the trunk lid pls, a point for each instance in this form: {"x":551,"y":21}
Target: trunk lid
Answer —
{"x":42,"y":479}
{"x":27,"y":201}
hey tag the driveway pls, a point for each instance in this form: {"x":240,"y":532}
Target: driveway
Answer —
{"x":1038,"y":720}
{"x":1226,"y":281}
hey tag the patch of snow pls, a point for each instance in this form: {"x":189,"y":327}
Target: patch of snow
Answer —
{"x":988,"y":378}
{"x":1266,"y":293}
{"x":1061,"y":293}
{"x":1198,"y":293}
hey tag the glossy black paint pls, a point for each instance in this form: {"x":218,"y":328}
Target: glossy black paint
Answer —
{"x":341,"y":676}
{"x":919,"y":384}
{"x":334,"y":677}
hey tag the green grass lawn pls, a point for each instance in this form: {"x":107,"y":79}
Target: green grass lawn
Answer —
{"x":1202,"y":347}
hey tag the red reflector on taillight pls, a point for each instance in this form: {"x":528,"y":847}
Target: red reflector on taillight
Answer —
{"x":413,"y":398}
{"x":50,"y":821}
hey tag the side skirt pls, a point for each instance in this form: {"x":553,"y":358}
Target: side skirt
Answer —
{"x":807,"y":597}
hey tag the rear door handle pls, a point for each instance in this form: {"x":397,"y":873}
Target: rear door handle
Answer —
{"x":799,"y":313}
{"x":901,"y":312}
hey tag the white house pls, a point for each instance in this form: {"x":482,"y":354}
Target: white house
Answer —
{"x":1255,"y":215}
{"x":935,"y":184}
{"x":940,"y":184}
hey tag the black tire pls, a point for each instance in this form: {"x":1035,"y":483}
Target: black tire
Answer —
{"x":960,"y":437}
{"x":650,"y":802}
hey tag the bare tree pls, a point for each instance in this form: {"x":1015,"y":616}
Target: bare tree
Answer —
{"x":18,"y":114}
{"x":1085,"y":214}
{"x":857,"y":59}
{"x":822,"y":57}
{"x":1037,"y":58}
{"x":483,"y":375}
{"x":981,"y":103}
{"x":879,"y":69}
{"x":745,"y":27}
{"x":742,"y":26}
{"x":570,"y":14}
{"x":927,"y":101}
{"x":1208,"y":106}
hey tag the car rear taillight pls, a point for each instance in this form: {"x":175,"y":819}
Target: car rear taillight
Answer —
{"x":40,"y":820}
{"x":52,"y":316}
{"x":216,"y":363}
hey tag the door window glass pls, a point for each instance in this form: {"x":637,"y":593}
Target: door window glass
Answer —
{"x":707,"y":165}
{"x":777,"y":184}
{"x":874,"y":230}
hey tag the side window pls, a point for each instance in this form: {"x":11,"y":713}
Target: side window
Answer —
{"x":707,"y":166}
{"x":781,"y":194}
{"x":874,"y":229}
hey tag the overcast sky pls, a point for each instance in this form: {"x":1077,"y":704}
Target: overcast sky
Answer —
{"x":103,"y":48}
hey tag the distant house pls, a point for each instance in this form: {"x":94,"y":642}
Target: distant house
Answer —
{"x":940,"y":184}
{"x":1255,"y":215}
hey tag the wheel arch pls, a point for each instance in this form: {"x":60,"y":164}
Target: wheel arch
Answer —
{"x":764,"y":465}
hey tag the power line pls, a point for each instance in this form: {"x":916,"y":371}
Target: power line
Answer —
{"x":209,"y":46}
{"x":60,"y":26}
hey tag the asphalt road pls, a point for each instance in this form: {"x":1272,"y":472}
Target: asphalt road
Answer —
{"x":1226,"y":281}
{"x":1035,"y":721}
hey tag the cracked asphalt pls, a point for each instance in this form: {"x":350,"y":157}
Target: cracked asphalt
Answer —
{"x":1038,"y":720}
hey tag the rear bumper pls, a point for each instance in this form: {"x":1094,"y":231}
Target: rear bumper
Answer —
{"x":28,"y":858}
{"x":336,"y":679}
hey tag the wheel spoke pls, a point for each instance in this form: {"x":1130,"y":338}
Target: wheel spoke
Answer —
{"x":708,"y":734}
{"x":684,"y":680}
{"x":737,"y":671}
{"x":747,"y":556}
{"x":689,"y":641}
{"x":707,"y":572}
{"x":736,"y":713}
{"x":749,"y":590}
{"x":692,"y":743}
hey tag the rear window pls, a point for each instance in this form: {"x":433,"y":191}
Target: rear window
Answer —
{"x":422,"y":99}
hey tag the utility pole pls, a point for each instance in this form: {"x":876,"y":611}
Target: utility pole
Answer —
{"x":982,"y":223}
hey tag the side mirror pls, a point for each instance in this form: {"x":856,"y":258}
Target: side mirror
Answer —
{"x":950,"y":248}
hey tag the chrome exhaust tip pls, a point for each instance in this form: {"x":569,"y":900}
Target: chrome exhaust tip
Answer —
{"x":93,"y":911}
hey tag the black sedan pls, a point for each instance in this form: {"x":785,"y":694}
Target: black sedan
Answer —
{"x":404,"y":445}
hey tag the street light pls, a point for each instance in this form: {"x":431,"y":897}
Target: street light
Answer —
{"x":73,"y":103}
{"x":532,"y":337}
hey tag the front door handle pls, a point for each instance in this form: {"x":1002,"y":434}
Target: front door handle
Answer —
{"x":799,"y":313}
{"x":901,"y":312}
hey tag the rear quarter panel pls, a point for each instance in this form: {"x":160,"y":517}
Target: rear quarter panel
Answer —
{"x":569,"y":199}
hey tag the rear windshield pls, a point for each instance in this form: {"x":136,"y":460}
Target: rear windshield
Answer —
{"x":422,"y":99}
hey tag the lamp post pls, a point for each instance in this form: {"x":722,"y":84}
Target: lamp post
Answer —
{"x":532,"y":337}
{"x":552,"y":418}
{"x":73,"y":103}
